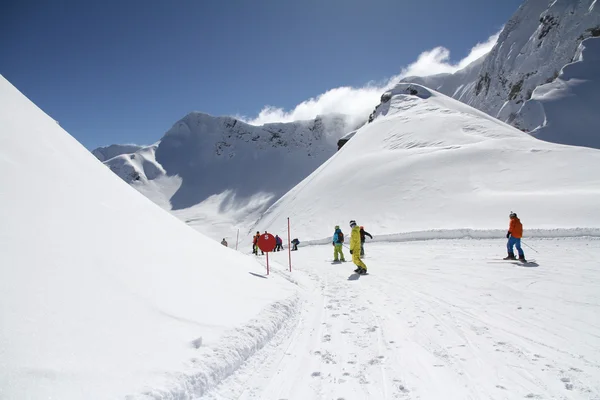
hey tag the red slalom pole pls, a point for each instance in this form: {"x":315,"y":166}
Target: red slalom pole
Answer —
{"x":289,"y":245}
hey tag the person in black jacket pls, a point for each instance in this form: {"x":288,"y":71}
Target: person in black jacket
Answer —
{"x":363,"y":233}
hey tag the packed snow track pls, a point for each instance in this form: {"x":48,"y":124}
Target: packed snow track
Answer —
{"x":441,"y":319}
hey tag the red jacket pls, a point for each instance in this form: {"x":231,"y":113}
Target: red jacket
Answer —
{"x":515,"y":228}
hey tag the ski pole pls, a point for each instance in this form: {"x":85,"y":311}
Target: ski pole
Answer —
{"x":530,"y":247}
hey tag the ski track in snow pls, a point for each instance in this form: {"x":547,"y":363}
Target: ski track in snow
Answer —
{"x":432,"y":320}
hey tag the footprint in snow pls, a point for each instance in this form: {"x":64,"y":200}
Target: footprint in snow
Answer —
{"x":315,"y":374}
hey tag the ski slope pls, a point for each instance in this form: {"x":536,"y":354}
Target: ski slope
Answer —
{"x":429,"y":163}
{"x":442,"y":319}
{"x":102,"y":293}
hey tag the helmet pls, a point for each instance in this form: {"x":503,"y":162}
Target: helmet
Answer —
{"x":352,"y":223}
{"x":513,"y":215}
{"x":337,"y":227}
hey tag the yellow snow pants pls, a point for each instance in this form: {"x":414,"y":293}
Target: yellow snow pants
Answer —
{"x":356,"y":259}
{"x":337,"y":249}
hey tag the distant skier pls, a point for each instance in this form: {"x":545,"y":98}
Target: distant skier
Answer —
{"x":278,"y":243}
{"x":295,"y":244}
{"x":338,"y":240}
{"x":224,"y":242}
{"x":514,"y":235}
{"x":363,"y":233}
{"x":255,"y":244}
{"x":355,"y":249}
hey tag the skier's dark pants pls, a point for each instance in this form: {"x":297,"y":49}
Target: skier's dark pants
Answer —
{"x":362,"y":248}
{"x":513,"y":241}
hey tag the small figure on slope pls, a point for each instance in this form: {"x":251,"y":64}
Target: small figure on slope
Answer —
{"x":224,"y":242}
{"x":255,"y":244}
{"x":338,"y":240}
{"x":295,"y":244}
{"x":278,"y":243}
{"x":514,"y":235}
{"x":363,"y":233}
{"x":355,"y":249}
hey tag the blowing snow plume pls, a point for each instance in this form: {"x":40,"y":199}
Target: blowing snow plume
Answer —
{"x":102,"y":293}
{"x":429,"y":162}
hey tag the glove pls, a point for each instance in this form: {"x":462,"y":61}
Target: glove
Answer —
{"x":350,"y":251}
{"x":508,"y":235}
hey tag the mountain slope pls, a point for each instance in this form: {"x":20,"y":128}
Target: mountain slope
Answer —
{"x":102,"y":293}
{"x":539,"y":40}
{"x":566,"y":106}
{"x":431,"y":162}
{"x":218,"y":173}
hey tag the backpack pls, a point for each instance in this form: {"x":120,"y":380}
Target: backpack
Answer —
{"x":340,"y":237}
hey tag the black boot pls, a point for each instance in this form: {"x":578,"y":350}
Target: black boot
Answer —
{"x":522,"y":258}
{"x":511,"y":256}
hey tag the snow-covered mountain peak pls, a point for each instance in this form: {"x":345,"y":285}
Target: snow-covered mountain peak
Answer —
{"x":226,"y":170}
{"x":541,"y":38}
{"x":463,"y":124}
{"x":429,"y":162}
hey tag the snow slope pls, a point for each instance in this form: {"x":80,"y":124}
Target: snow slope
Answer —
{"x":429,"y":162}
{"x":219,"y":173}
{"x":541,"y":38}
{"x":114,"y":150}
{"x":437,"y":320}
{"x":576,"y":93}
{"x":102,"y":293}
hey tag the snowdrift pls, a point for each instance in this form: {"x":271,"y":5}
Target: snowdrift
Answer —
{"x":104,"y":294}
{"x":428,"y":162}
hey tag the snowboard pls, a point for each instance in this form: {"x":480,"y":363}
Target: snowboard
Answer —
{"x":530,"y":262}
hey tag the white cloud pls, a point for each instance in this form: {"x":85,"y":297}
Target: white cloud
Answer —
{"x":359,"y":102}
{"x":437,"y":60}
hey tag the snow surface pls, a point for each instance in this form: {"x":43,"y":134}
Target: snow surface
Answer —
{"x":429,"y":162}
{"x":541,"y":38}
{"x":436,"y":320}
{"x":104,"y":294}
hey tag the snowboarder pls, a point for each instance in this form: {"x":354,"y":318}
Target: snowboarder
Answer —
{"x":355,"y":249}
{"x":363,"y":233}
{"x":224,"y":242}
{"x":295,"y":244}
{"x":278,"y":243}
{"x":338,"y":240}
{"x":514,"y":235}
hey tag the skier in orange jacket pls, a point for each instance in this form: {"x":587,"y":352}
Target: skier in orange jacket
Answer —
{"x":514,"y":235}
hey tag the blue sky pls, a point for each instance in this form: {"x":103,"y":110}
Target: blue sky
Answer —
{"x":126,"y":71}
